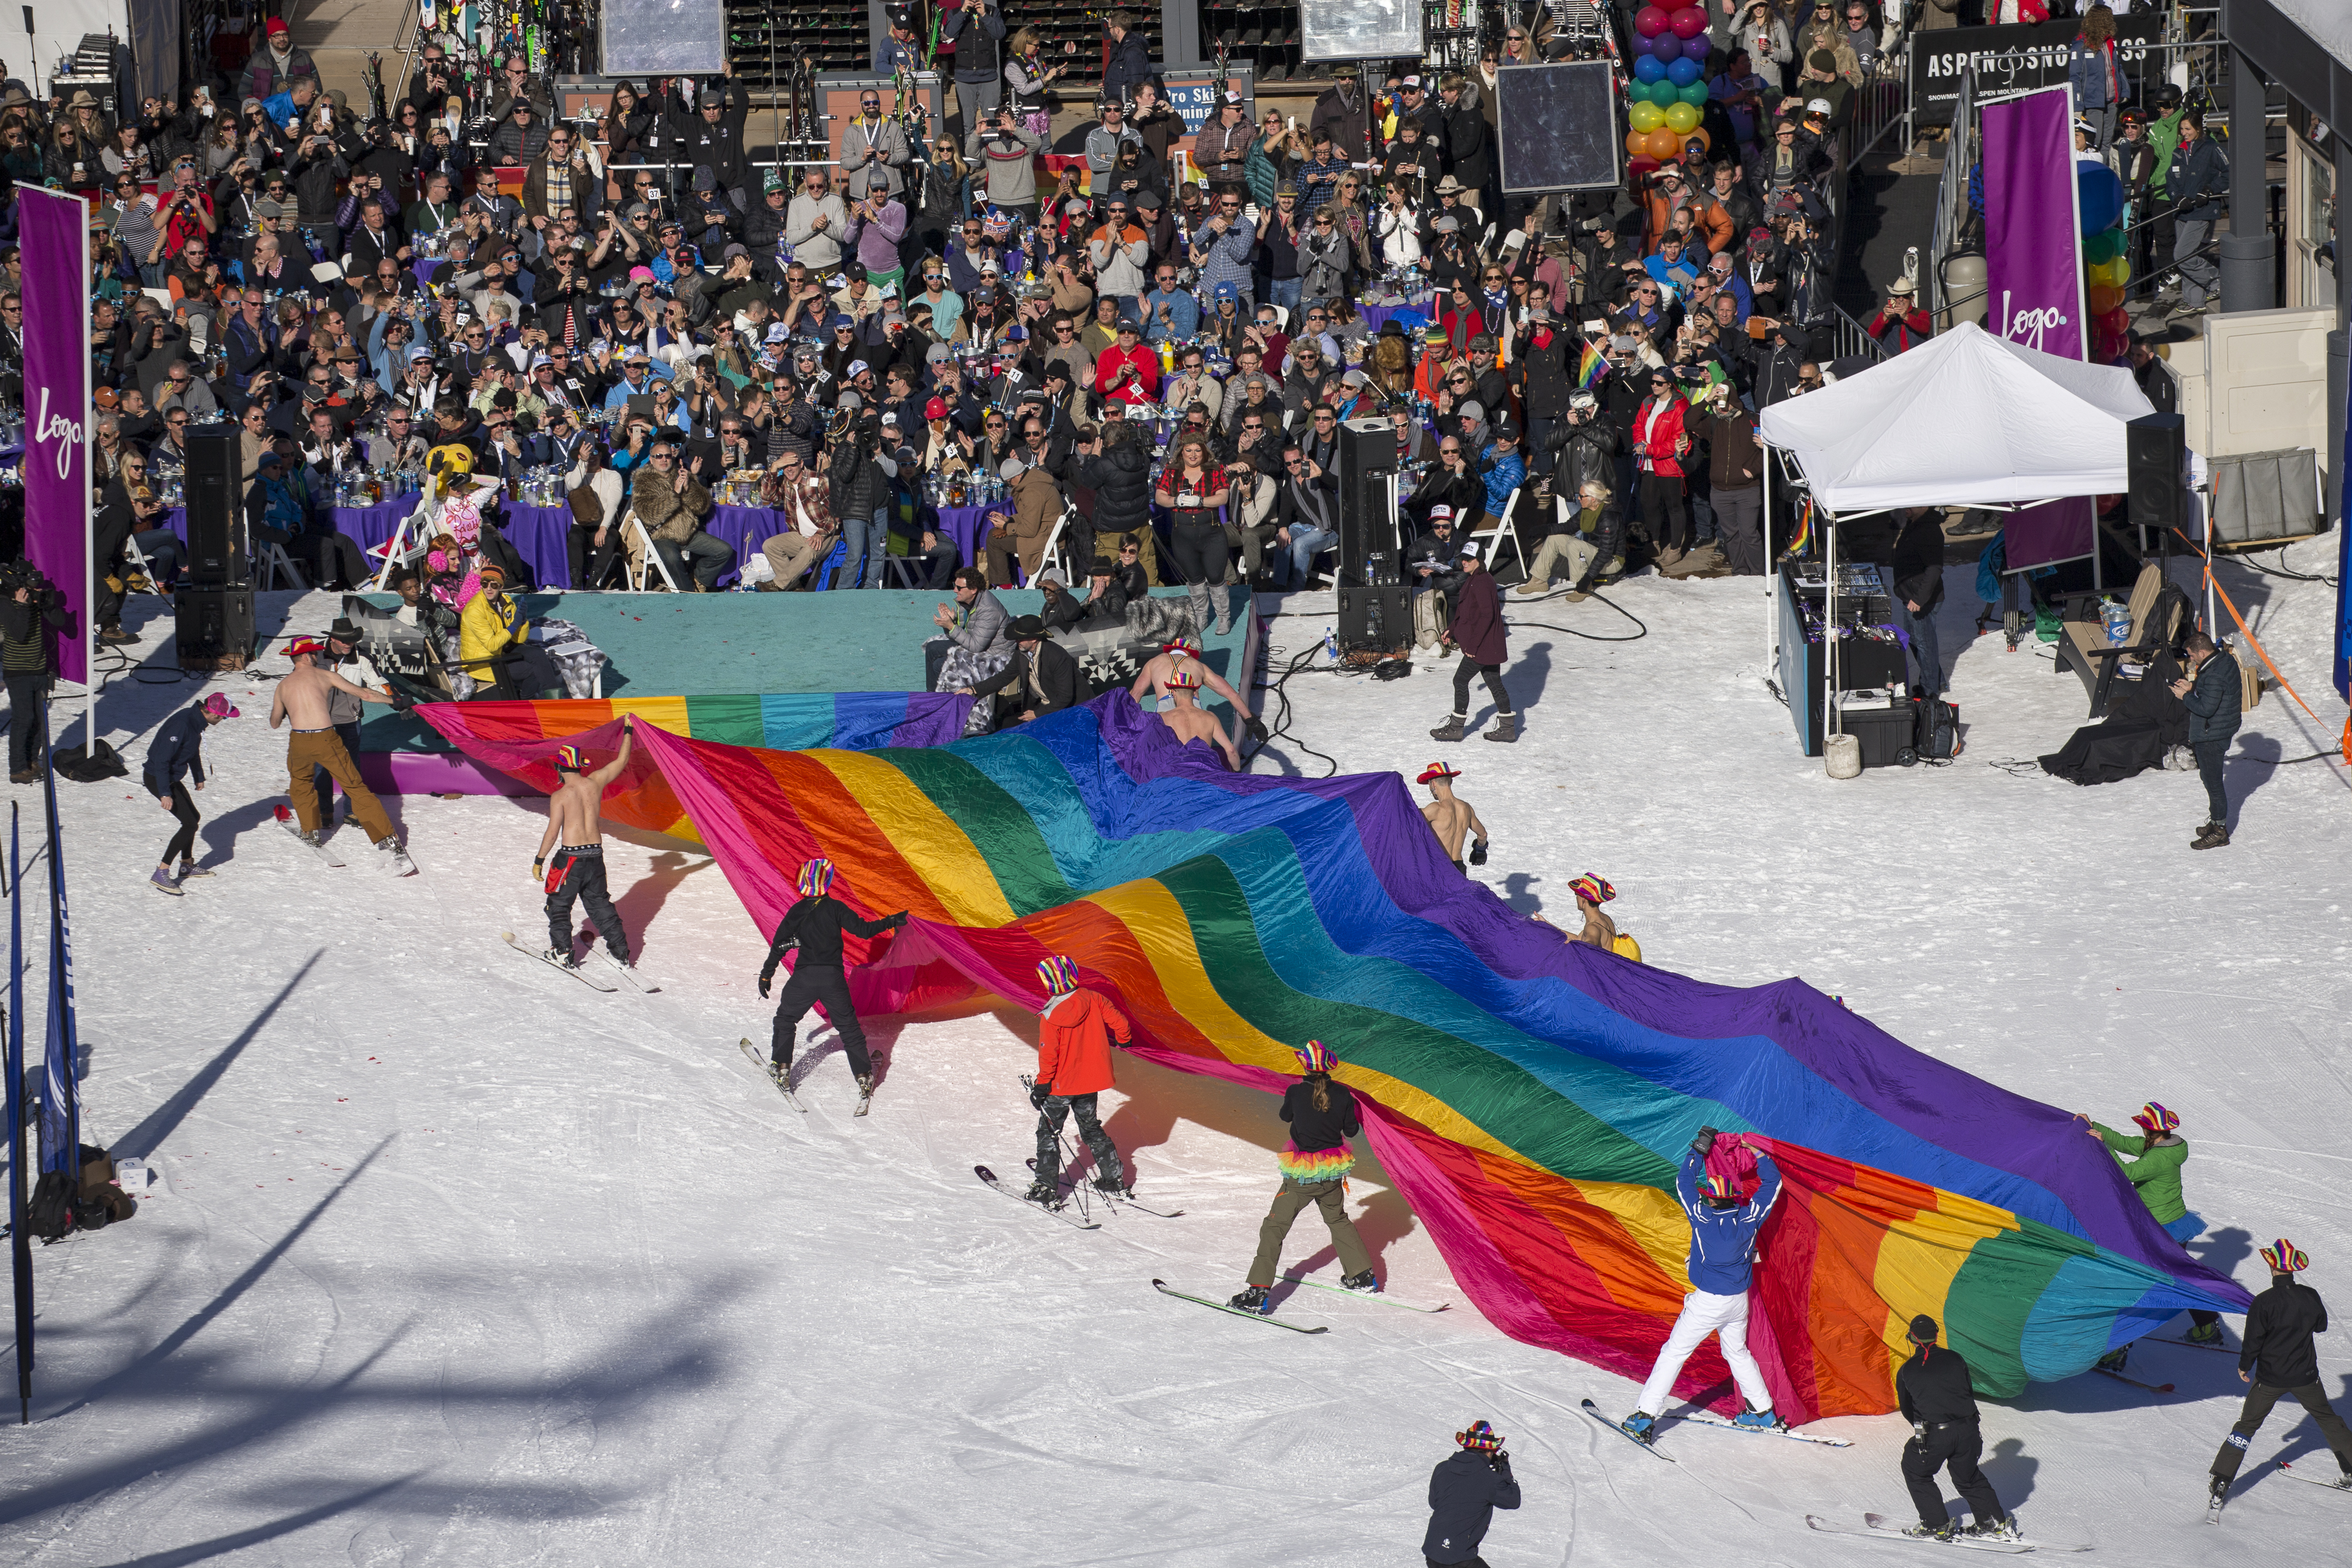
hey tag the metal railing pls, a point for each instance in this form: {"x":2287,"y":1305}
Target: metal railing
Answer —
{"x":1849,"y":339}
{"x":1952,"y":193}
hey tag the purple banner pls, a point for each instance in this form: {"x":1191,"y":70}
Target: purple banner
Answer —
{"x":53,"y":239}
{"x":2033,"y":242}
{"x":2054,"y":530}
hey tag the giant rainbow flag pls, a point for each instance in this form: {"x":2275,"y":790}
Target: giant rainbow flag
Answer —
{"x":1530,"y":1097}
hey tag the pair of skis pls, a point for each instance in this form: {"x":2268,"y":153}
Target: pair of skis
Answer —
{"x":1706,"y":1418}
{"x":2339,"y":1482}
{"x":783,"y":1084}
{"x":1280,"y":1322}
{"x":324,"y":848}
{"x":594,"y":979}
{"x":1878,"y":1524}
{"x":1115,"y":1200}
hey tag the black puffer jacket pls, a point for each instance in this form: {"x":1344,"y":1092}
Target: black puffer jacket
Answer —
{"x":1588,"y":453}
{"x":1122,"y":480}
{"x":858,"y":484}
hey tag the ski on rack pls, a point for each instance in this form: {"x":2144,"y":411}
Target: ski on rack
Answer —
{"x":1381,"y":1296}
{"x":593,"y":982}
{"x":985,"y":1174}
{"x":1166,"y":1289}
{"x":766,"y":1071}
{"x":1650,"y":1448}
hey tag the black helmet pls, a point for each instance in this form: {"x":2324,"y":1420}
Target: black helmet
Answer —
{"x":2168,"y":98}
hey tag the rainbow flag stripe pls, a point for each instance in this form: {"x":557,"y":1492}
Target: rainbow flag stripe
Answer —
{"x":1530,"y":1098}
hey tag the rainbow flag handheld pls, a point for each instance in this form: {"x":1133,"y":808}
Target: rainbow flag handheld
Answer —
{"x":1530,"y":1097}
{"x":1592,"y":366}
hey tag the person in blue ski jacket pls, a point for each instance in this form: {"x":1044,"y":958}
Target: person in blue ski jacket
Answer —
{"x":1724,"y":1220}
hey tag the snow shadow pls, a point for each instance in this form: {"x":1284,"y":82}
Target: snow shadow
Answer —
{"x":2253,"y":763}
{"x":143,"y":1141}
{"x":220,"y":1545}
{"x":2223,"y":1250}
{"x":220,"y":834}
{"x":644,"y":899}
{"x":1518,"y":892}
{"x":1526,"y":678}
{"x":2292,"y":1421}
{"x":2011,"y":1470}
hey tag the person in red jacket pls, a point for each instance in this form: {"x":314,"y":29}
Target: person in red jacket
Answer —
{"x":1075,"y":1031}
{"x":1128,"y":371}
{"x":1659,"y":447}
{"x":1479,"y":633}
{"x":1900,"y":323}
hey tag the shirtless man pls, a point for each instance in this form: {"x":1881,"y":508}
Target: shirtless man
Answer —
{"x":575,"y":831}
{"x":302,"y":698}
{"x":1598,"y":930}
{"x":1450,"y":817}
{"x":1184,"y":653}
{"x":1192,"y":723}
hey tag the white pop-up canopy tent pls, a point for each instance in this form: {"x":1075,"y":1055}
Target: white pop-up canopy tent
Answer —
{"x":1964,"y":419}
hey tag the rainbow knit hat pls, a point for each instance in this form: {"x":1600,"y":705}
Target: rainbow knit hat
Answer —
{"x":1058,"y":973}
{"x":816,"y":876}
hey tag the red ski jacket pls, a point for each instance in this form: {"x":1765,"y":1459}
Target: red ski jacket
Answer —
{"x":1074,"y":1041}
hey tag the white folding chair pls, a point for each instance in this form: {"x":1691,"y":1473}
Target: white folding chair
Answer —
{"x":1506,"y":527}
{"x":275,"y":565}
{"x":139,"y":566}
{"x":650,"y":557}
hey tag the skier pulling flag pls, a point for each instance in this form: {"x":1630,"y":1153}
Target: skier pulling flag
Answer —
{"x":1722,"y":1255}
{"x":1075,"y":1031}
{"x":1315,"y":1166}
{"x":2279,"y":1357}
{"x":815,"y":925}
{"x":2152,"y":1162}
{"x":575,"y":831}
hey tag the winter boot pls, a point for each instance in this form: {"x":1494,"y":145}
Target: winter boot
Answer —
{"x":26,"y":775}
{"x":1505,"y":728}
{"x":2203,"y":1335}
{"x":1197,"y":595}
{"x":1642,"y":1426}
{"x":162,"y":883}
{"x":190,"y":868}
{"x":1948,"y":1530}
{"x":1253,"y":1299}
{"x":1756,"y":1420}
{"x":1225,"y":599}
{"x":2215,"y":837}
{"x":1449,"y":730}
{"x":1367,"y":1282}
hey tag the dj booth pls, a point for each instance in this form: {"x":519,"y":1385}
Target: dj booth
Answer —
{"x":1871,"y":701}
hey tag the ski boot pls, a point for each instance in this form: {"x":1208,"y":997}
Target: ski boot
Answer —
{"x":2203,"y":1335}
{"x":1949,"y":1531}
{"x":1449,"y":730}
{"x":1113,"y":1187}
{"x":2219,"y":1492}
{"x":1045,"y":1190}
{"x":1253,"y":1299}
{"x":782,"y":1073}
{"x":1366,"y":1282}
{"x":2114,"y":1360}
{"x":1642,"y":1426}
{"x":189,"y":869}
{"x":162,"y":882}
{"x":1754,"y":1420}
{"x":2005,"y":1528}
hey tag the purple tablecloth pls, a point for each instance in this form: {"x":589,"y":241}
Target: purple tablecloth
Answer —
{"x":541,"y":535}
{"x":423,"y":267}
{"x":744,"y":529}
{"x":967,"y":525}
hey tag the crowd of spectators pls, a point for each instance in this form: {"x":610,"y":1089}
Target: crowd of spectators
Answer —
{"x":651,"y":312}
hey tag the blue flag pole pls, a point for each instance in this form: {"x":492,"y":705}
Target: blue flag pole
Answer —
{"x":20,"y":1244}
{"x":61,"y":1097}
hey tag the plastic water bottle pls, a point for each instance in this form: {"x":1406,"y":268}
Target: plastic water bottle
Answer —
{"x":2118,"y":616}
{"x":1330,"y":646}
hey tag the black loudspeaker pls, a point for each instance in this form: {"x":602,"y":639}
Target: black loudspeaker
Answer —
{"x":1367,"y":543}
{"x":1376,"y":619}
{"x":215,"y":627}
{"x":213,"y":494}
{"x":2158,"y":448}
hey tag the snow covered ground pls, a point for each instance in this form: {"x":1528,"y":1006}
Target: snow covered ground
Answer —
{"x":465,"y":1263}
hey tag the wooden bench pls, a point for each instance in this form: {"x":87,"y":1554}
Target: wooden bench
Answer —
{"x":2160,"y":613}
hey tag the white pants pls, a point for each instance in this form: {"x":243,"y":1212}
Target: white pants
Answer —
{"x":1704,"y":1314}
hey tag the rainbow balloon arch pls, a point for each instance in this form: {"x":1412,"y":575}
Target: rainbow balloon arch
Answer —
{"x":1530,"y":1097}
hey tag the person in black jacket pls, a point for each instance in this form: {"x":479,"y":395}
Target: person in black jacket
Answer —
{"x":1129,"y":65}
{"x":1120,"y":474}
{"x":1933,"y":1392}
{"x":1918,"y":589}
{"x":2278,"y":1358}
{"x":1464,"y":1490}
{"x":178,"y":750}
{"x":1040,"y":678}
{"x":815,"y":925}
{"x":1315,"y":1165}
{"x":31,"y":609}
{"x":2214,"y":695}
